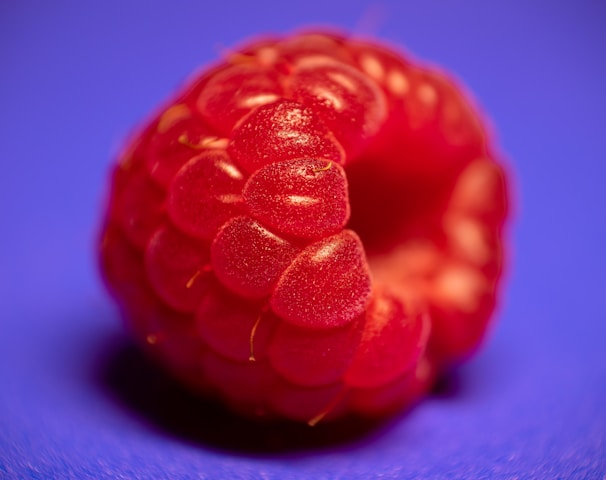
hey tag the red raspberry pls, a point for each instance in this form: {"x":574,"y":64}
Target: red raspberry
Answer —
{"x":311,"y":229}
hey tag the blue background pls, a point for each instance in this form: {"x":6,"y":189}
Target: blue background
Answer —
{"x":77,"y":401}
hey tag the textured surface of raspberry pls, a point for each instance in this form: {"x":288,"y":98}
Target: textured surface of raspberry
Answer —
{"x":313,"y":227}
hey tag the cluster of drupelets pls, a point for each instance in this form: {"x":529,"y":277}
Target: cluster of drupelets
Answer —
{"x":312,"y":228}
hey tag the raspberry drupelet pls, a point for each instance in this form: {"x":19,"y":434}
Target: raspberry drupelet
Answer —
{"x":312,"y":228}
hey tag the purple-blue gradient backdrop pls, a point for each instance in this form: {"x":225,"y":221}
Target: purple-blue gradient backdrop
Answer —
{"x":77,"y":402}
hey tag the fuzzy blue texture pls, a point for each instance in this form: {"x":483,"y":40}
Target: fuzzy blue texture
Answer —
{"x":77,"y":401}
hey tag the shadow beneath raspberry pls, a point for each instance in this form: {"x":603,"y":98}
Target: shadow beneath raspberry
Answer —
{"x":448,"y":385}
{"x":481,"y":377}
{"x":152,"y":395}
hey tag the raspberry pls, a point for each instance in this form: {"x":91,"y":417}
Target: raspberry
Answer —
{"x":311,"y":229}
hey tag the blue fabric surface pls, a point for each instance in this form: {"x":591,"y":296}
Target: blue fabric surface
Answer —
{"x":77,"y":401}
